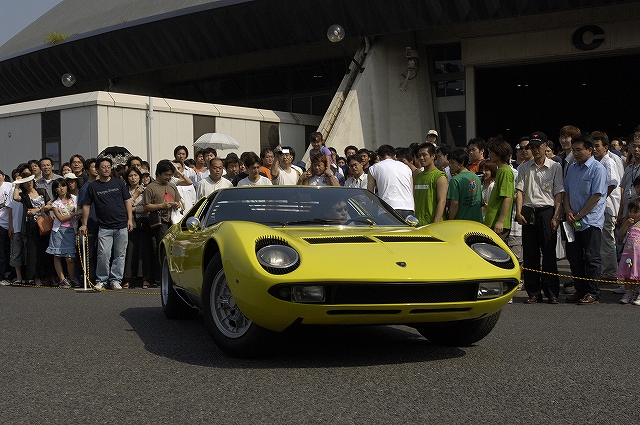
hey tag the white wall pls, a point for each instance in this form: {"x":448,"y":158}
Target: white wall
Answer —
{"x":294,"y":136}
{"x":25,"y":142}
{"x":78,"y":129}
{"x":91,"y":122}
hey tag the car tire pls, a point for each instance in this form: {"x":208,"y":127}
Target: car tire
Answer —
{"x":233,"y":332}
{"x":173,"y":305}
{"x":459,"y":333}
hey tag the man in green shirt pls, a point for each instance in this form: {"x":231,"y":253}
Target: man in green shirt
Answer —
{"x":498,"y":214}
{"x":429,"y":187}
{"x":465,"y":189}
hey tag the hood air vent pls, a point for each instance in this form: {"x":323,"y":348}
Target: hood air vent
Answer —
{"x":339,"y":239}
{"x":398,"y":238}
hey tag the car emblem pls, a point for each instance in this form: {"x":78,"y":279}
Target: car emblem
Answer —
{"x":401,"y":263}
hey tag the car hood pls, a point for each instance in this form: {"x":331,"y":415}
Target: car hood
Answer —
{"x":438,"y":252}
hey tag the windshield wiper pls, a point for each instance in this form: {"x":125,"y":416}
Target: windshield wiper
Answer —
{"x":366,"y":221}
{"x":314,"y":221}
{"x":279,"y":223}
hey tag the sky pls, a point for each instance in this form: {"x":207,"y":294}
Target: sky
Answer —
{"x":16,"y":15}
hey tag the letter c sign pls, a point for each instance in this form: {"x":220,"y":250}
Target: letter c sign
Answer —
{"x":596,"y":32}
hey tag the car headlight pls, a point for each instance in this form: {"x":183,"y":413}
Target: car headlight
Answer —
{"x":307,"y":294}
{"x":491,"y":253}
{"x":277,"y":259}
{"x":491,"y":290}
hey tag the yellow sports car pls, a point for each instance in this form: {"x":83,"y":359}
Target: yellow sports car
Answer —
{"x":257,"y":260}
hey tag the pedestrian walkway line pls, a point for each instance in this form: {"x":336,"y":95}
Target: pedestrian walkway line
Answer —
{"x":121,"y":291}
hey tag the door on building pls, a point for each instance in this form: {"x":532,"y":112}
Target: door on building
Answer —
{"x":592,"y":94}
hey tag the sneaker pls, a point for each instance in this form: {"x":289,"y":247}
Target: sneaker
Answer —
{"x":75,"y":284}
{"x":637,"y":301}
{"x":619,"y":290}
{"x":115,"y":285}
{"x":627,"y":297}
{"x":590,"y":299}
{"x":5,"y":282}
{"x":99,"y":286}
{"x":64,"y":284}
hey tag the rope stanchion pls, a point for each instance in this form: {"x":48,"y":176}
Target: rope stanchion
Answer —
{"x":611,"y":282}
{"x":83,"y":248}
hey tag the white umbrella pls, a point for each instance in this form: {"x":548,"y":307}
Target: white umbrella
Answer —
{"x":217,"y":141}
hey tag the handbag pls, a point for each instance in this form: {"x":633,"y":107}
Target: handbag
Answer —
{"x":45,"y":224}
{"x":529,"y":215}
{"x":154,"y":219}
{"x":142,"y":223}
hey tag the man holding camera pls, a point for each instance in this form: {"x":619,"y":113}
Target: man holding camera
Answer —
{"x":282,"y":172}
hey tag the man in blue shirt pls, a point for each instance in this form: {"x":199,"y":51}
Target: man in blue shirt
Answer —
{"x":584,"y":202}
{"x":111,"y":200}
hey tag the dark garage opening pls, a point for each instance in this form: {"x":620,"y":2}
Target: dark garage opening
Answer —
{"x":594,"y":94}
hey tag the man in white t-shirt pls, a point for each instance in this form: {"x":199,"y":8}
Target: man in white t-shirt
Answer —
{"x":252,"y":165}
{"x":214,"y":181}
{"x":393,"y":181}
{"x":282,"y":172}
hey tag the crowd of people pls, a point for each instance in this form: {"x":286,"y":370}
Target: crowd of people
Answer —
{"x":579,"y":199}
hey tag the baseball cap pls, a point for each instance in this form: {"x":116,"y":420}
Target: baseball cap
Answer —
{"x":432,"y":133}
{"x":537,"y":138}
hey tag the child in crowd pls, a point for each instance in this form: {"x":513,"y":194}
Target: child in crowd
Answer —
{"x":489,"y":171}
{"x":629,"y":267}
{"x":62,"y":242}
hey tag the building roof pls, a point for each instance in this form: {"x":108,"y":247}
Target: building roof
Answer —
{"x":71,"y":17}
{"x":143,"y":43}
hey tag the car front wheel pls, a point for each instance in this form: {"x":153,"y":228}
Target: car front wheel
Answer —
{"x":173,"y":306}
{"x":233,"y":332}
{"x":459,"y":333}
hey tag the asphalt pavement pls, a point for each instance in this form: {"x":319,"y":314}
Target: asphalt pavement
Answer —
{"x":112,"y":357}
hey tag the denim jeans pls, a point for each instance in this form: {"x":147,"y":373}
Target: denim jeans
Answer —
{"x":117,"y":240}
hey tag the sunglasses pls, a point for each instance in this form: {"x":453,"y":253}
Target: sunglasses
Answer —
{"x":340,"y":209}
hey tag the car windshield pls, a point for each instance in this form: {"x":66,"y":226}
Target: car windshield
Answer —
{"x":302,"y":206}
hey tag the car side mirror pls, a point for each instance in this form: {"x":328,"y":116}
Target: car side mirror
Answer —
{"x":193,"y":224}
{"x":412,"y":221}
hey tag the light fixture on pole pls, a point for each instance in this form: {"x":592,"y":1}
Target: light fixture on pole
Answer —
{"x":335,"y":34}
{"x":68,"y":79}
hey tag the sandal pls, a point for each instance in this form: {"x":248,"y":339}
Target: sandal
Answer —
{"x":126,"y":285}
{"x":145,"y":284}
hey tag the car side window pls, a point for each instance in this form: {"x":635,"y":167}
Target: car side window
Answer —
{"x":198,"y":207}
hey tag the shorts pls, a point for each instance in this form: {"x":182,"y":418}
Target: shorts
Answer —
{"x":515,"y":243}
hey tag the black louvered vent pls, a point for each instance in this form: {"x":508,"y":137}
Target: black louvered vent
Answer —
{"x":339,"y":239}
{"x":399,"y":238}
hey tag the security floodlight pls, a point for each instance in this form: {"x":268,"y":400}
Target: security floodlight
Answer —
{"x":68,"y":79}
{"x":335,"y":33}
